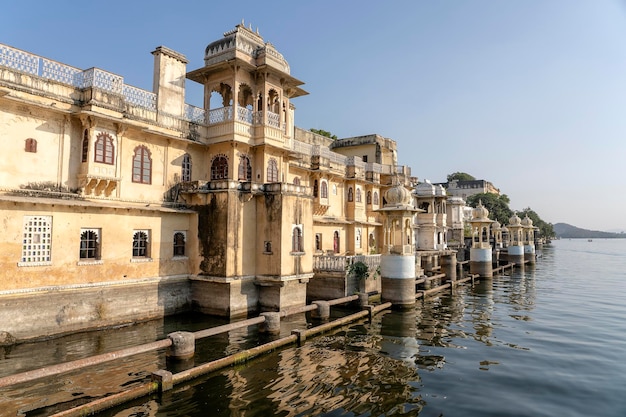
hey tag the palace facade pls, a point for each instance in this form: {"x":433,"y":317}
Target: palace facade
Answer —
{"x":120,"y":204}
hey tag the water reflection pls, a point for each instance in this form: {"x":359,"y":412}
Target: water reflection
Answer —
{"x":334,"y":374}
{"x":364,"y":369}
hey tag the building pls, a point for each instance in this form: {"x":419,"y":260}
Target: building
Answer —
{"x":121,"y":204}
{"x":464,"y":189}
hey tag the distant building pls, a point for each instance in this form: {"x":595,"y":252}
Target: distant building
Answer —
{"x":465,"y":189}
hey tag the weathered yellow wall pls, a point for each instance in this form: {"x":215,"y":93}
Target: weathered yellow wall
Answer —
{"x":117,"y":229}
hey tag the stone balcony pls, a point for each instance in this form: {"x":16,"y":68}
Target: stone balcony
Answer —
{"x":90,"y":90}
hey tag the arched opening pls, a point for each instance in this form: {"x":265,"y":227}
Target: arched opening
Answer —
{"x":336,"y":243}
{"x":296,"y":240}
{"x":245,"y":168}
{"x":219,"y":168}
{"x":245,"y":103}
{"x":221,"y":104}
{"x":142,"y":165}
{"x":272,"y":170}
{"x":185,"y":171}
{"x":324,"y":190}
{"x":179,"y":244}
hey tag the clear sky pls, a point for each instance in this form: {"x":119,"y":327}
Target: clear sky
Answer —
{"x":529,"y":95}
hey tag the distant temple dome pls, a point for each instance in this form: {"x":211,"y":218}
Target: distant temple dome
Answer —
{"x":496,"y":225}
{"x":480,"y":212}
{"x":515,"y":221}
{"x":398,"y":196}
{"x":425,"y":189}
{"x":439,"y":190}
{"x":527,"y":222}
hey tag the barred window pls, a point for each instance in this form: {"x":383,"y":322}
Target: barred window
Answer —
{"x":142,"y":165}
{"x":141,"y":244}
{"x":179,"y":244}
{"x":89,"y":244}
{"x":368,"y":198}
{"x":358,"y":195}
{"x":219,"y":168}
{"x":272,"y":170}
{"x":245,"y":168}
{"x":185,"y":173}
{"x":36,"y":241}
{"x":350,"y":195}
{"x":296,"y":239}
{"x":104,"y":149}
{"x":376,"y":198}
{"x":324,"y":190}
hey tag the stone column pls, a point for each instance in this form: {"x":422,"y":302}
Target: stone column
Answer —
{"x":480,"y":262}
{"x":398,"y":280}
{"x":271,"y":324}
{"x":448,"y":266}
{"x":516,"y":255}
{"x":183,"y":345}
{"x":529,"y":252}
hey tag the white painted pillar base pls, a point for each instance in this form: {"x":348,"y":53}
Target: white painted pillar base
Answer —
{"x":398,"y":279}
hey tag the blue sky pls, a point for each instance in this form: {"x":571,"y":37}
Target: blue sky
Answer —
{"x":529,"y":95}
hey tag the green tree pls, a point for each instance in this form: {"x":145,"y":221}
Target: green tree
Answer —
{"x":460,"y":176}
{"x":324,"y":133}
{"x":545,"y":229}
{"x":498,"y":205}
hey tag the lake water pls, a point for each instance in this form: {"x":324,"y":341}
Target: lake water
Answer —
{"x":546,"y":341}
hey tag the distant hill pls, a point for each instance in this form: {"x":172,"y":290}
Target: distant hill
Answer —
{"x":567,"y":231}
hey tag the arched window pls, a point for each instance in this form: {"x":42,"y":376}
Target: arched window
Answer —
{"x":296,"y":240}
{"x":272,"y":170}
{"x":89,"y":244}
{"x":179,"y":244}
{"x":368,"y":198}
{"x":104,"y":149}
{"x":142,"y":165}
{"x":315,"y":188}
{"x":358,"y":238}
{"x":350,"y":195}
{"x":318,"y":241}
{"x":185,"y":174}
{"x":141,"y":244}
{"x":296,"y":181}
{"x":30,"y":145}
{"x":85,"y":147}
{"x":358,"y":195}
{"x":219,"y":168}
{"x":324,"y":189}
{"x":376,"y":198}
{"x":245,"y":169}
{"x":336,"y":246}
